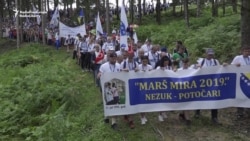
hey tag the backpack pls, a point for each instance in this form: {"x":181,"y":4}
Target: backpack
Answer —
{"x":203,"y":61}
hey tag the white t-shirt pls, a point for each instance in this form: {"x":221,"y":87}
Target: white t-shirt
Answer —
{"x":107,"y":67}
{"x":106,"y":46}
{"x":165,"y":68}
{"x":145,"y":68}
{"x":91,"y":47}
{"x":241,"y":60}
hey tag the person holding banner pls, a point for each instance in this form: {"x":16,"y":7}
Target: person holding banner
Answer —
{"x":165,"y":64}
{"x":144,"y":66}
{"x":110,"y":66}
{"x":184,"y":115}
{"x":242,"y":60}
{"x":208,"y":62}
{"x":129,"y":65}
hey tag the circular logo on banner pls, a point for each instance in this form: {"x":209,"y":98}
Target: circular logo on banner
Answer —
{"x":245,"y":83}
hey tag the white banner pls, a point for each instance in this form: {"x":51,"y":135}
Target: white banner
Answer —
{"x":64,"y":30}
{"x":207,"y":88}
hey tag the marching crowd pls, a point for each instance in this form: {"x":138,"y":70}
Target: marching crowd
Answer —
{"x":102,"y":55}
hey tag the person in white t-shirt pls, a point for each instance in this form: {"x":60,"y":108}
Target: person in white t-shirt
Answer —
{"x":184,"y":115}
{"x":242,"y":60}
{"x":209,"y":61}
{"x":144,"y":66}
{"x":129,"y":65}
{"x":110,"y":66}
{"x":165,"y":64}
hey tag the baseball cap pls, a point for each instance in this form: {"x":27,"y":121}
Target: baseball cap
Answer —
{"x":210,"y":51}
{"x":163,"y":49}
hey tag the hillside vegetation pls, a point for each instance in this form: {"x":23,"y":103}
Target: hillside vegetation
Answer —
{"x":44,"y":95}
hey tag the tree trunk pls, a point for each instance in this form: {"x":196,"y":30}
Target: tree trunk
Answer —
{"x":245,"y":23}
{"x":117,"y":10}
{"x":87,"y":11}
{"x":48,"y":16}
{"x":17,"y":26}
{"x":139,"y":10}
{"x":174,"y":5}
{"x":55,"y":3}
{"x":144,"y":7}
{"x":182,"y":5}
{"x":77,"y":4}
{"x":1,"y":33}
{"x":21,"y":22}
{"x":158,"y":11}
{"x":234,"y":5}
{"x":8,"y":7}
{"x":131,"y":11}
{"x":107,"y":17}
{"x":1,"y":17}
{"x":214,"y":8}
{"x":186,"y":12}
{"x":223,"y":7}
{"x":43,"y":22}
{"x":198,"y":12}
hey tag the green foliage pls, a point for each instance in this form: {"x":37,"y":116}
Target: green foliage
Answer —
{"x":221,"y":33}
{"x":45,"y":97}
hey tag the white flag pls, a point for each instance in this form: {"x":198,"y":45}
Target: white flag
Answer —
{"x":54,"y":20}
{"x":98,"y":27}
{"x":135,"y":37}
{"x":123,"y":29}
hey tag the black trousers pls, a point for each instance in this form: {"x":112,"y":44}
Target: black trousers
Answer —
{"x":83,"y":60}
{"x":214,"y":113}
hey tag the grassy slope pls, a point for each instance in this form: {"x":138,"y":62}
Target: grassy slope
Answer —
{"x":45,"y":96}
